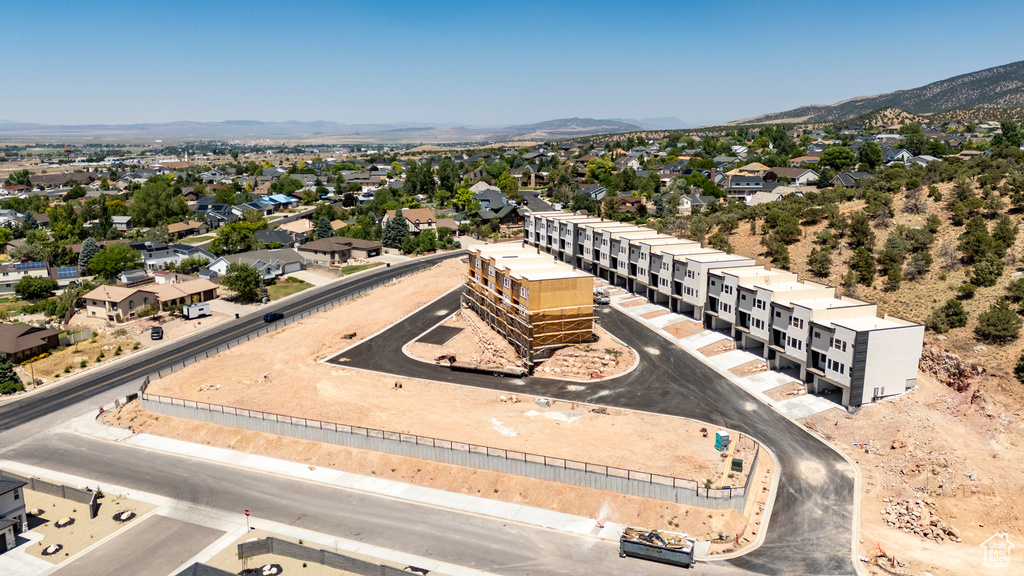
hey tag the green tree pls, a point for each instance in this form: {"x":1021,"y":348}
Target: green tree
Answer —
{"x":975,"y":240}
{"x":35,"y":287}
{"x":192,"y":264}
{"x":410,"y":244}
{"x":870,"y":154}
{"x":820,"y":261}
{"x":950,"y":315}
{"x":113,"y":259}
{"x":838,"y":157}
{"x":395,"y":231}
{"x":893,"y":278}
{"x":860,"y":233}
{"x":509,"y":184}
{"x":157,"y":203}
{"x":864,"y":265}
{"x":1015,"y":290}
{"x":323,"y":228}
{"x":448,"y":174}
{"x":89,"y":249}
{"x":244,"y":280}
{"x":428,"y":241}
{"x":999,"y":324}
{"x":719,"y":241}
{"x":10,"y":382}
{"x":987,"y":270}
{"x":237,"y":237}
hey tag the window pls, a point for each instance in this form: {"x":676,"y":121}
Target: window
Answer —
{"x":17,"y":494}
{"x":837,"y":344}
{"x":778,"y":314}
{"x":727,"y":289}
{"x":727,"y":308}
{"x":758,"y":323}
{"x":817,"y":334}
{"x":690,"y":274}
{"x":490,"y":270}
{"x":506,"y":282}
{"x":713,"y":283}
{"x":743,"y":297}
{"x":524,"y":292}
{"x":796,"y":322}
{"x":759,"y":304}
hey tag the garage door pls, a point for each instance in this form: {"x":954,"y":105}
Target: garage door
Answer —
{"x":293,"y":267}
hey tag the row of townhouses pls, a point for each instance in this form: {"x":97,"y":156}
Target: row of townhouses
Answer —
{"x":831,"y":343}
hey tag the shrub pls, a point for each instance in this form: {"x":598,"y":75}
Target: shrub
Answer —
{"x":999,"y":324}
{"x":967,"y":290}
{"x":11,"y":387}
{"x":118,"y":351}
{"x":949,"y":315}
{"x":82,"y":364}
{"x":1018,"y":370}
{"x":67,"y":369}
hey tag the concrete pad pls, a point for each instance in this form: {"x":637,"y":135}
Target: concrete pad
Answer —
{"x":313,"y":278}
{"x":666,"y":320}
{"x":645,"y":309}
{"x":17,"y":562}
{"x":733,"y":358}
{"x":556,"y":520}
{"x":705,"y":338}
{"x":764,"y":381}
{"x":804,"y":406}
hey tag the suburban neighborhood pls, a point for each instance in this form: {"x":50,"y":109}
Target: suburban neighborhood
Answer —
{"x":391,"y":315}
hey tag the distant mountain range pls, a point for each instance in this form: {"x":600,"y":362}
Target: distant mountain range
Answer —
{"x":323,"y":131}
{"x":999,"y":87}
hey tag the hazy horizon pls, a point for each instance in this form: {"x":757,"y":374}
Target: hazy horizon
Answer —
{"x":464,"y":64}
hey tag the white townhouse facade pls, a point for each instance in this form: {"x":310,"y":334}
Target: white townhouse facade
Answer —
{"x":830,"y":343}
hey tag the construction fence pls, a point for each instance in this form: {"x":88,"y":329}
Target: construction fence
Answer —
{"x":584,"y":474}
{"x":327,"y":558}
{"x":87,"y":497}
{"x":182,"y":364}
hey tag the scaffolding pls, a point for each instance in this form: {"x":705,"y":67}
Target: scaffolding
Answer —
{"x":533,"y":334}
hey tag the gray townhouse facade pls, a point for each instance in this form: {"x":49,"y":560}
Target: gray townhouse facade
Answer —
{"x":830,"y":343}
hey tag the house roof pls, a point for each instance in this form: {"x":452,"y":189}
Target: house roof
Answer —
{"x":165,"y":292}
{"x":183,"y":226}
{"x":415,"y":214}
{"x":337,"y":244}
{"x":16,"y":337}
{"x":110,"y":293}
{"x":285,"y":255}
{"x":300,"y":226}
{"x":198,"y":569}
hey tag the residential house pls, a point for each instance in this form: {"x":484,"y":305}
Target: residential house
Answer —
{"x":338,"y":250}
{"x":595,"y":191}
{"x":418,"y":219}
{"x":13,"y":519}
{"x":188,"y":228}
{"x":795,"y":176}
{"x":281,"y":238}
{"x":849,"y":179}
{"x":121,"y":223}
{"x":21,"y":342}
{"x":12,"y":273}
{"x":270,"y":263}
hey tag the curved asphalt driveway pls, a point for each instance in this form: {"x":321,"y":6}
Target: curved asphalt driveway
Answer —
{"x":811,"y":527}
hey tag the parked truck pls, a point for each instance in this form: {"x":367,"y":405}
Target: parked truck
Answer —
{"x":494,"y":370}
{"x":665,"y":547}
{"x":199,"y":310}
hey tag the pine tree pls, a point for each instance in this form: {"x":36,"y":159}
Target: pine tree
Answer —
{"x":863,"y":263}
{"x":323,"y":228}
{"x":395,"y":231}
{"x":9,"y":380}
{"x":820,"y":262}
{"x":999,"y":324}
{"x":89,"y":249}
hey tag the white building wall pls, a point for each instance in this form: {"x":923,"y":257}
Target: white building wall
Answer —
{"x":892,"y":359}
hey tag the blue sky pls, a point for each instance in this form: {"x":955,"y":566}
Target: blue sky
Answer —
{"x":473,"y":63}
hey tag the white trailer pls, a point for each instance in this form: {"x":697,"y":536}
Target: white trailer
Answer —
{"x":197,"y":310}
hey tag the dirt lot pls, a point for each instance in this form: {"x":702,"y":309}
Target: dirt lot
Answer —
{"x":604,"y":358}
{"x":591,"y":503}
{"x":257,"y":376}
{"x":84,"y":532}
{"x":955,"y":452}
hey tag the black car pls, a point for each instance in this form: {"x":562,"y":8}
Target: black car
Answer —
{"x":157,"y":333}
{"x":272,"y":316}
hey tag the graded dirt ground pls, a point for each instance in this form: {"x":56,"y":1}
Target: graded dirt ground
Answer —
{"x":283,"y":365}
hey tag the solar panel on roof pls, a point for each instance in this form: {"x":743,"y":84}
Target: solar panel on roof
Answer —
{"x":67,"y":272}
{"x":29,"y":265}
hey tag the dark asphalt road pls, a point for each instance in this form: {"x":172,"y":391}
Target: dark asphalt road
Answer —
{"x":104,"y":379}
{"x":811,"y":526}
{"x":464,"y":539}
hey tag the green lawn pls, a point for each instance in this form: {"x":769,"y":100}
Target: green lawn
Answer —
{"x":280,"y":290}
{"x":359,"y":268}
{"x":197,"y":239}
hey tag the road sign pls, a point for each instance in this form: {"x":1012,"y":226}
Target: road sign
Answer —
{"x":246,"y":512}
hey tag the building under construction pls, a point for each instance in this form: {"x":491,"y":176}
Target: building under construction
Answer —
{"x":536,"y":302}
